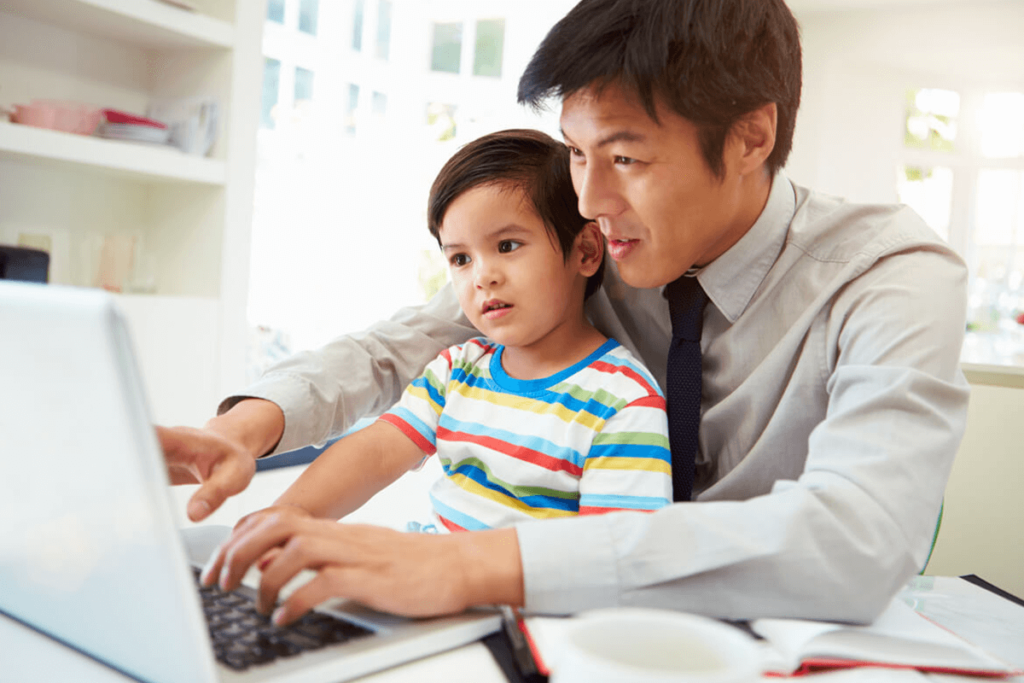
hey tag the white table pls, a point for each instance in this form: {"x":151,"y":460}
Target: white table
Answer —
{"x":974,"y":613}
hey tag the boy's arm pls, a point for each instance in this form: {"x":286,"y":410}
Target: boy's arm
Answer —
{"x":351,"y":471}
{"x":348,"y":473}
{"x":629,"y":466}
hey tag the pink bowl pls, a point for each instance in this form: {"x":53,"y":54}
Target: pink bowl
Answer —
{"x":70,"y":117}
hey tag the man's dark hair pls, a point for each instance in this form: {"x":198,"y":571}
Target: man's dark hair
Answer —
{"x":521,"y":160}
{"x":710,"y":61}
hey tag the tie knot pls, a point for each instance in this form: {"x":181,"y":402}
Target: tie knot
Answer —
{"x":686,"y":301}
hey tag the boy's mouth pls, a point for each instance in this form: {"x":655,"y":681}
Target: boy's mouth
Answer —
{"x":494,"y":307}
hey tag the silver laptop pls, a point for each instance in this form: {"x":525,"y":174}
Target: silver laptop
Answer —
{"x":89,"y":550}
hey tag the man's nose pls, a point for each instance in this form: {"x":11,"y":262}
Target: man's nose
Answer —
{"x":598,"y":193}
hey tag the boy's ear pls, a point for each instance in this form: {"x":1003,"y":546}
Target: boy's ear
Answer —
{"x":589,"y":249}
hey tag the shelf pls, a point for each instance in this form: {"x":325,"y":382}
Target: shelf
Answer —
{"x":134,"y":160}
{"x":148,"y":23}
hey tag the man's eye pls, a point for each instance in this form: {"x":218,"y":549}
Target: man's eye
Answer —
{"x":625,"y":161}
{"x":506,"y":246}
{"x":575,"y":152}
{"x":459,"y":260}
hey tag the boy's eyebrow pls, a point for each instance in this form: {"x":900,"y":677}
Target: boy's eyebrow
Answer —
{"x":510,"y":228}
{"x":617,"y":136}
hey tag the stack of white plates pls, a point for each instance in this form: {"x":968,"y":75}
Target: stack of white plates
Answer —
{"x":134,"y":133}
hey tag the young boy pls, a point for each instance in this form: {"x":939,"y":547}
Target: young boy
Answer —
{"x":545,"y":417}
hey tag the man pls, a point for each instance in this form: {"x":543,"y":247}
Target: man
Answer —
{"x":832,"y":402}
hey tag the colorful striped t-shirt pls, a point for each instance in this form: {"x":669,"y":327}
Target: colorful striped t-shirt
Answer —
{"x":590,"y":439}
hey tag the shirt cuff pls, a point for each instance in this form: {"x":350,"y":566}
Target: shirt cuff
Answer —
{"x":569,"y":564}
{"x":292,"y":395}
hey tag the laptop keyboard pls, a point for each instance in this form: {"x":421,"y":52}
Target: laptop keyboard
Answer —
{"x":242,"y":637}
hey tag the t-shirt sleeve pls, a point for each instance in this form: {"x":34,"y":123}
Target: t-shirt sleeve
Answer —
{"x":417,"y":412}
{"x":629,"y":465}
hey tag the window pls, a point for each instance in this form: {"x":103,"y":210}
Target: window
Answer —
{"x":339,"y":239}
{"x":303,"y":84}
{"x":490,"y":46}
{"x":380,"y":105}
{"x":357,"y":24}
{"x":1002,"y":125}
{"x":353,"y":106}
{"x":271,"y":81}
{"x":384,"y":29}
{"x":447,"y":51}
{"x":969,"y":188}
{"x":931,"y":119}
{"x":275,"y":11}
{"x":929,"y":191}
{"x":441,"y":121}
{"x":308,"y":11}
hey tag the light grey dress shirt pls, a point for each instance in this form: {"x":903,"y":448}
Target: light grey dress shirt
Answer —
{"x":833,"y":406}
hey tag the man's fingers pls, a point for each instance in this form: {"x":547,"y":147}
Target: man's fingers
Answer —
{"x":318,"y":590}
{"x":246,"y":547}
{"x":303,"y":551}
{"x":228,"y":477}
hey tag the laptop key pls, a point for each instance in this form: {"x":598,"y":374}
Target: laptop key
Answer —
{"x":242,"y":637}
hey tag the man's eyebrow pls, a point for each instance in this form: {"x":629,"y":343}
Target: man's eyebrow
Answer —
{"x":617,"y":136}
{"x":507,"y":229}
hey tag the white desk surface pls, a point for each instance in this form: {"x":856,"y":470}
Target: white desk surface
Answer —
{"x":976,"y":614}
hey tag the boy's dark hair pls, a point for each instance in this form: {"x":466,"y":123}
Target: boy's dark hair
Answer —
{"x":710,"y":61}
{"x":521,"y":159}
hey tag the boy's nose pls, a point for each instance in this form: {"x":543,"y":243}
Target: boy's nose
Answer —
{"x":486,"y":274}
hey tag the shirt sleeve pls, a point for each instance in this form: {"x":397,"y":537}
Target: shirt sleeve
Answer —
{"x":839,"y":540}
{"x":629,"y":465}
{"x":417,"y":413}
{"x":324,"y":392}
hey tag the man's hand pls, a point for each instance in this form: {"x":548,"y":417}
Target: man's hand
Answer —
{"x":402,"y":573}
{"x":221,"y":456}
{"x":201,"y":456}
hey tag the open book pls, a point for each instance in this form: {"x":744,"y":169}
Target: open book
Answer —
{"x":899,"y":638}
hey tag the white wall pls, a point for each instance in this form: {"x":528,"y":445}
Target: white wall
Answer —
{"x":858,"y":65}
{"x":983,"y":522}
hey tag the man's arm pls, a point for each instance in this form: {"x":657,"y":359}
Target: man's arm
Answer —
{"x":309,"y":398}
{"x":324,"y":392}
{"x":222,"y":455}
{"x":842,"y":537}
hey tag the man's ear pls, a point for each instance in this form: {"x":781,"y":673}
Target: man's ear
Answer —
{"x":589,"y":249}
{"x":752,"y":139}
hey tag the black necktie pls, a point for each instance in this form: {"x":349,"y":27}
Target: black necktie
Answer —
{"x":686,"y":301}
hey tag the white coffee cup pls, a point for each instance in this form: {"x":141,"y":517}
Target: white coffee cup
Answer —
{"x":635,"y":645}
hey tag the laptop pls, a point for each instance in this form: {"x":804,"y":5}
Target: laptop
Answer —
{"x":90,"y":553}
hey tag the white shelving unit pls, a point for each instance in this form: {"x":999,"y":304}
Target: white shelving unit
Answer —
{"x":191,"y":215}
{"x":128,"y":159}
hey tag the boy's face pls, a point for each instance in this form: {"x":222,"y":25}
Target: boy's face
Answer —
{"x":649,"y":188}
{"x":508,"y":272}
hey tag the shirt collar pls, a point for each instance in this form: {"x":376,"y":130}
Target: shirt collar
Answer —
{"x":731,"y":279}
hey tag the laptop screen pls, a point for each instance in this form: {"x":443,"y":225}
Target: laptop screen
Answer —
{"x":89,"y":552}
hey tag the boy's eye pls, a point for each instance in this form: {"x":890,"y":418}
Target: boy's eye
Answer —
{"x":506,"y":246}
{"x":459,"y":259}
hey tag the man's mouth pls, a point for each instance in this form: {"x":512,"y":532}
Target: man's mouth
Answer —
{"x":619,"y":249}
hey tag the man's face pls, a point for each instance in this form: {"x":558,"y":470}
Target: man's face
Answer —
{"x":648,"y":187}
